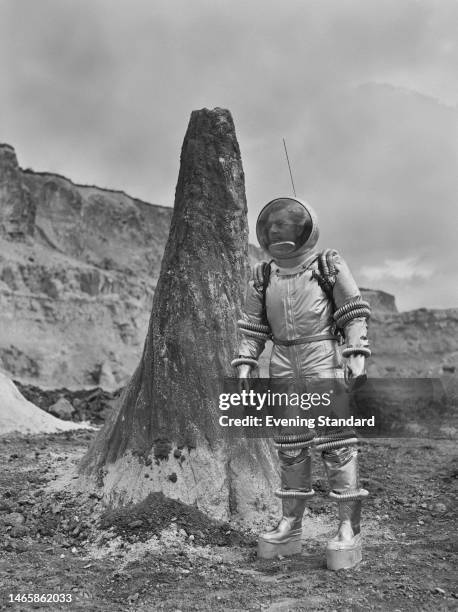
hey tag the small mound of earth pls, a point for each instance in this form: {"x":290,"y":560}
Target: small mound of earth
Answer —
{"x":157,"y":512}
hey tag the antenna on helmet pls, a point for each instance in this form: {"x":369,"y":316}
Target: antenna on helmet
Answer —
{"x":289,"y":166}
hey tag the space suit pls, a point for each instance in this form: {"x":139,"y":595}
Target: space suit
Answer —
{"x":308,"y":299}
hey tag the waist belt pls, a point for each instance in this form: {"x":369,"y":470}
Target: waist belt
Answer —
{"x":305,"y":339}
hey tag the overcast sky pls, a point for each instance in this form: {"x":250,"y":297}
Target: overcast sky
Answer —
{"x":364,"y":91}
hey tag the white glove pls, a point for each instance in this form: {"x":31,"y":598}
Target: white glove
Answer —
{"x":355,"y":371}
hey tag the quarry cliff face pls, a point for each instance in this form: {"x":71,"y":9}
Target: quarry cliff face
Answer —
{"x":77,"y":277}
{"x":78,"y":270}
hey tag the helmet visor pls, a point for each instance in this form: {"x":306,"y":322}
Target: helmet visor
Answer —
{"x":284,"y":226}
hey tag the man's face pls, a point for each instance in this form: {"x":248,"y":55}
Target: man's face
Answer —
{"x":282,"y":229}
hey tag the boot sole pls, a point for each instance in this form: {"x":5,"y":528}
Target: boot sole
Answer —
{"x":270,"y":550}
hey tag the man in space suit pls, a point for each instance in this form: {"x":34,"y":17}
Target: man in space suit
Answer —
{"x":300,"y":300}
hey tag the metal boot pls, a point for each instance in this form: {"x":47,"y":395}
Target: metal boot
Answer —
{"x":345,"y":549}
{"x":285,"y":539}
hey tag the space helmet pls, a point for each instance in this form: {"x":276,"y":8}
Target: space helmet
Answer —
{"x":287,"y":228}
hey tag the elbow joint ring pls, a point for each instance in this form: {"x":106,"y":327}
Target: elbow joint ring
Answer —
{"x":244,"y":360}
{"x":356,"y":350}
{"x":254,"y":330}
{"x":352,"y":310}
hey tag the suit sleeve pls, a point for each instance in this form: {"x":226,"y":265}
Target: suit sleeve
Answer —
{"x":253,"y":328}
{"x":352,"y":311}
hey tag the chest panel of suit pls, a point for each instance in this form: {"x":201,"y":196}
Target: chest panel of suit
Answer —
{"x":296,"y":306}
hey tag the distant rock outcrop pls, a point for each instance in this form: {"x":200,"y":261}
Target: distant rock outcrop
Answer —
{"x":380,"y":301}
{"x":417,"y":343}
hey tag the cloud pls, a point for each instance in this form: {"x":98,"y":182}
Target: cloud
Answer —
{"x":407,"y":269}
{"x":101,"y":91}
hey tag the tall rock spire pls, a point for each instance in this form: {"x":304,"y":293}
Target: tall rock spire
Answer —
{"x":167,"y":423}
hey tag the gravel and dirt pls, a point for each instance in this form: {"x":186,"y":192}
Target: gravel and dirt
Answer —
{"x":163,"y":555}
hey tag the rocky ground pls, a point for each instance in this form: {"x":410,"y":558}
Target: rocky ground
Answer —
{"x":163,"y":555}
